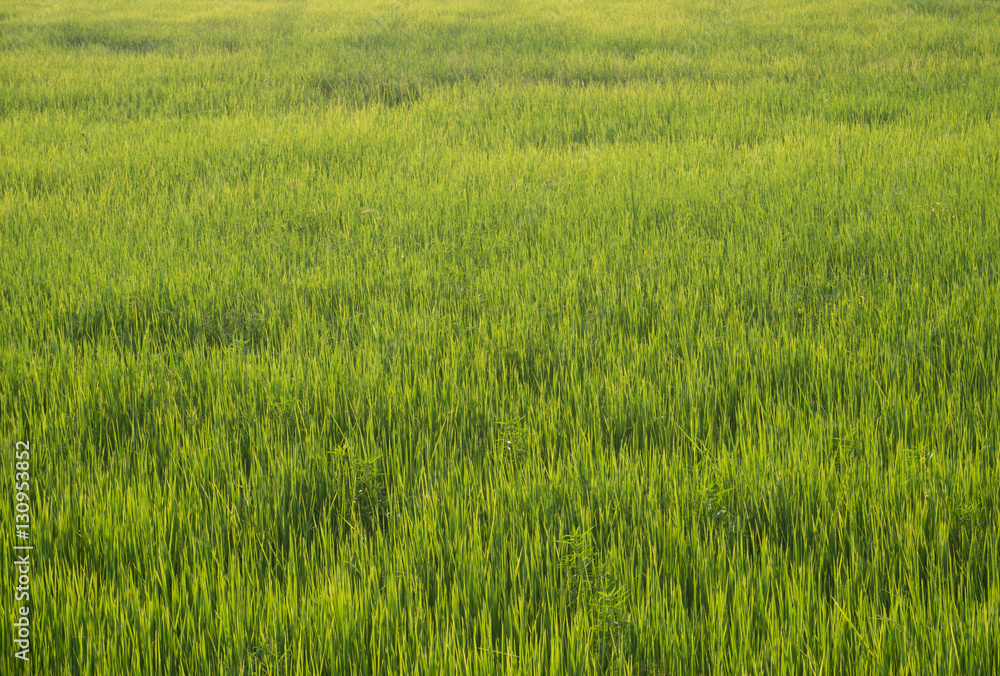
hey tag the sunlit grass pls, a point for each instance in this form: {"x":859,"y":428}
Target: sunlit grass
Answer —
{"x":558,"y":337}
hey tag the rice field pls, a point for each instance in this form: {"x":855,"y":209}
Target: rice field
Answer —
{"x":526,"y":337}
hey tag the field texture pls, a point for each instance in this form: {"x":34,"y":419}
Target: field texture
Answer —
{"x":526,"y":337}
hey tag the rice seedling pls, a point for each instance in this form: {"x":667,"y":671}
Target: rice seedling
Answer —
{"x":551,"y":337}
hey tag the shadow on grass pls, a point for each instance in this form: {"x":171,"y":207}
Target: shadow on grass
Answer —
{"x":121,"y":39}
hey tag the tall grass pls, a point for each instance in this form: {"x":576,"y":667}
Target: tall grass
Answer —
{"x":541,"y":337}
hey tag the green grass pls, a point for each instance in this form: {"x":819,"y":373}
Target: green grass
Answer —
{"x":499,"y":338}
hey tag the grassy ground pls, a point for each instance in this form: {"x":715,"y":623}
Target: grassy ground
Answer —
{"x":529,"y":337}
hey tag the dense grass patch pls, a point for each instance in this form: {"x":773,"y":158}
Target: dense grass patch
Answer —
{"x":558,"y":337}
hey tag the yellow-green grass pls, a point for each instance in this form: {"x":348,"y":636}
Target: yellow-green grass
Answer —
{"x":526,"y":337}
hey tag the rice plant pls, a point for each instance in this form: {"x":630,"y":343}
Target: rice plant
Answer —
{"x":541,"y":337}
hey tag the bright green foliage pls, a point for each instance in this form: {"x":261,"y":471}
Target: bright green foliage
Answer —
{"x":529,"y":337}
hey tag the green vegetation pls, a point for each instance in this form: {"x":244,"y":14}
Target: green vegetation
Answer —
{"x":649,"y":337}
